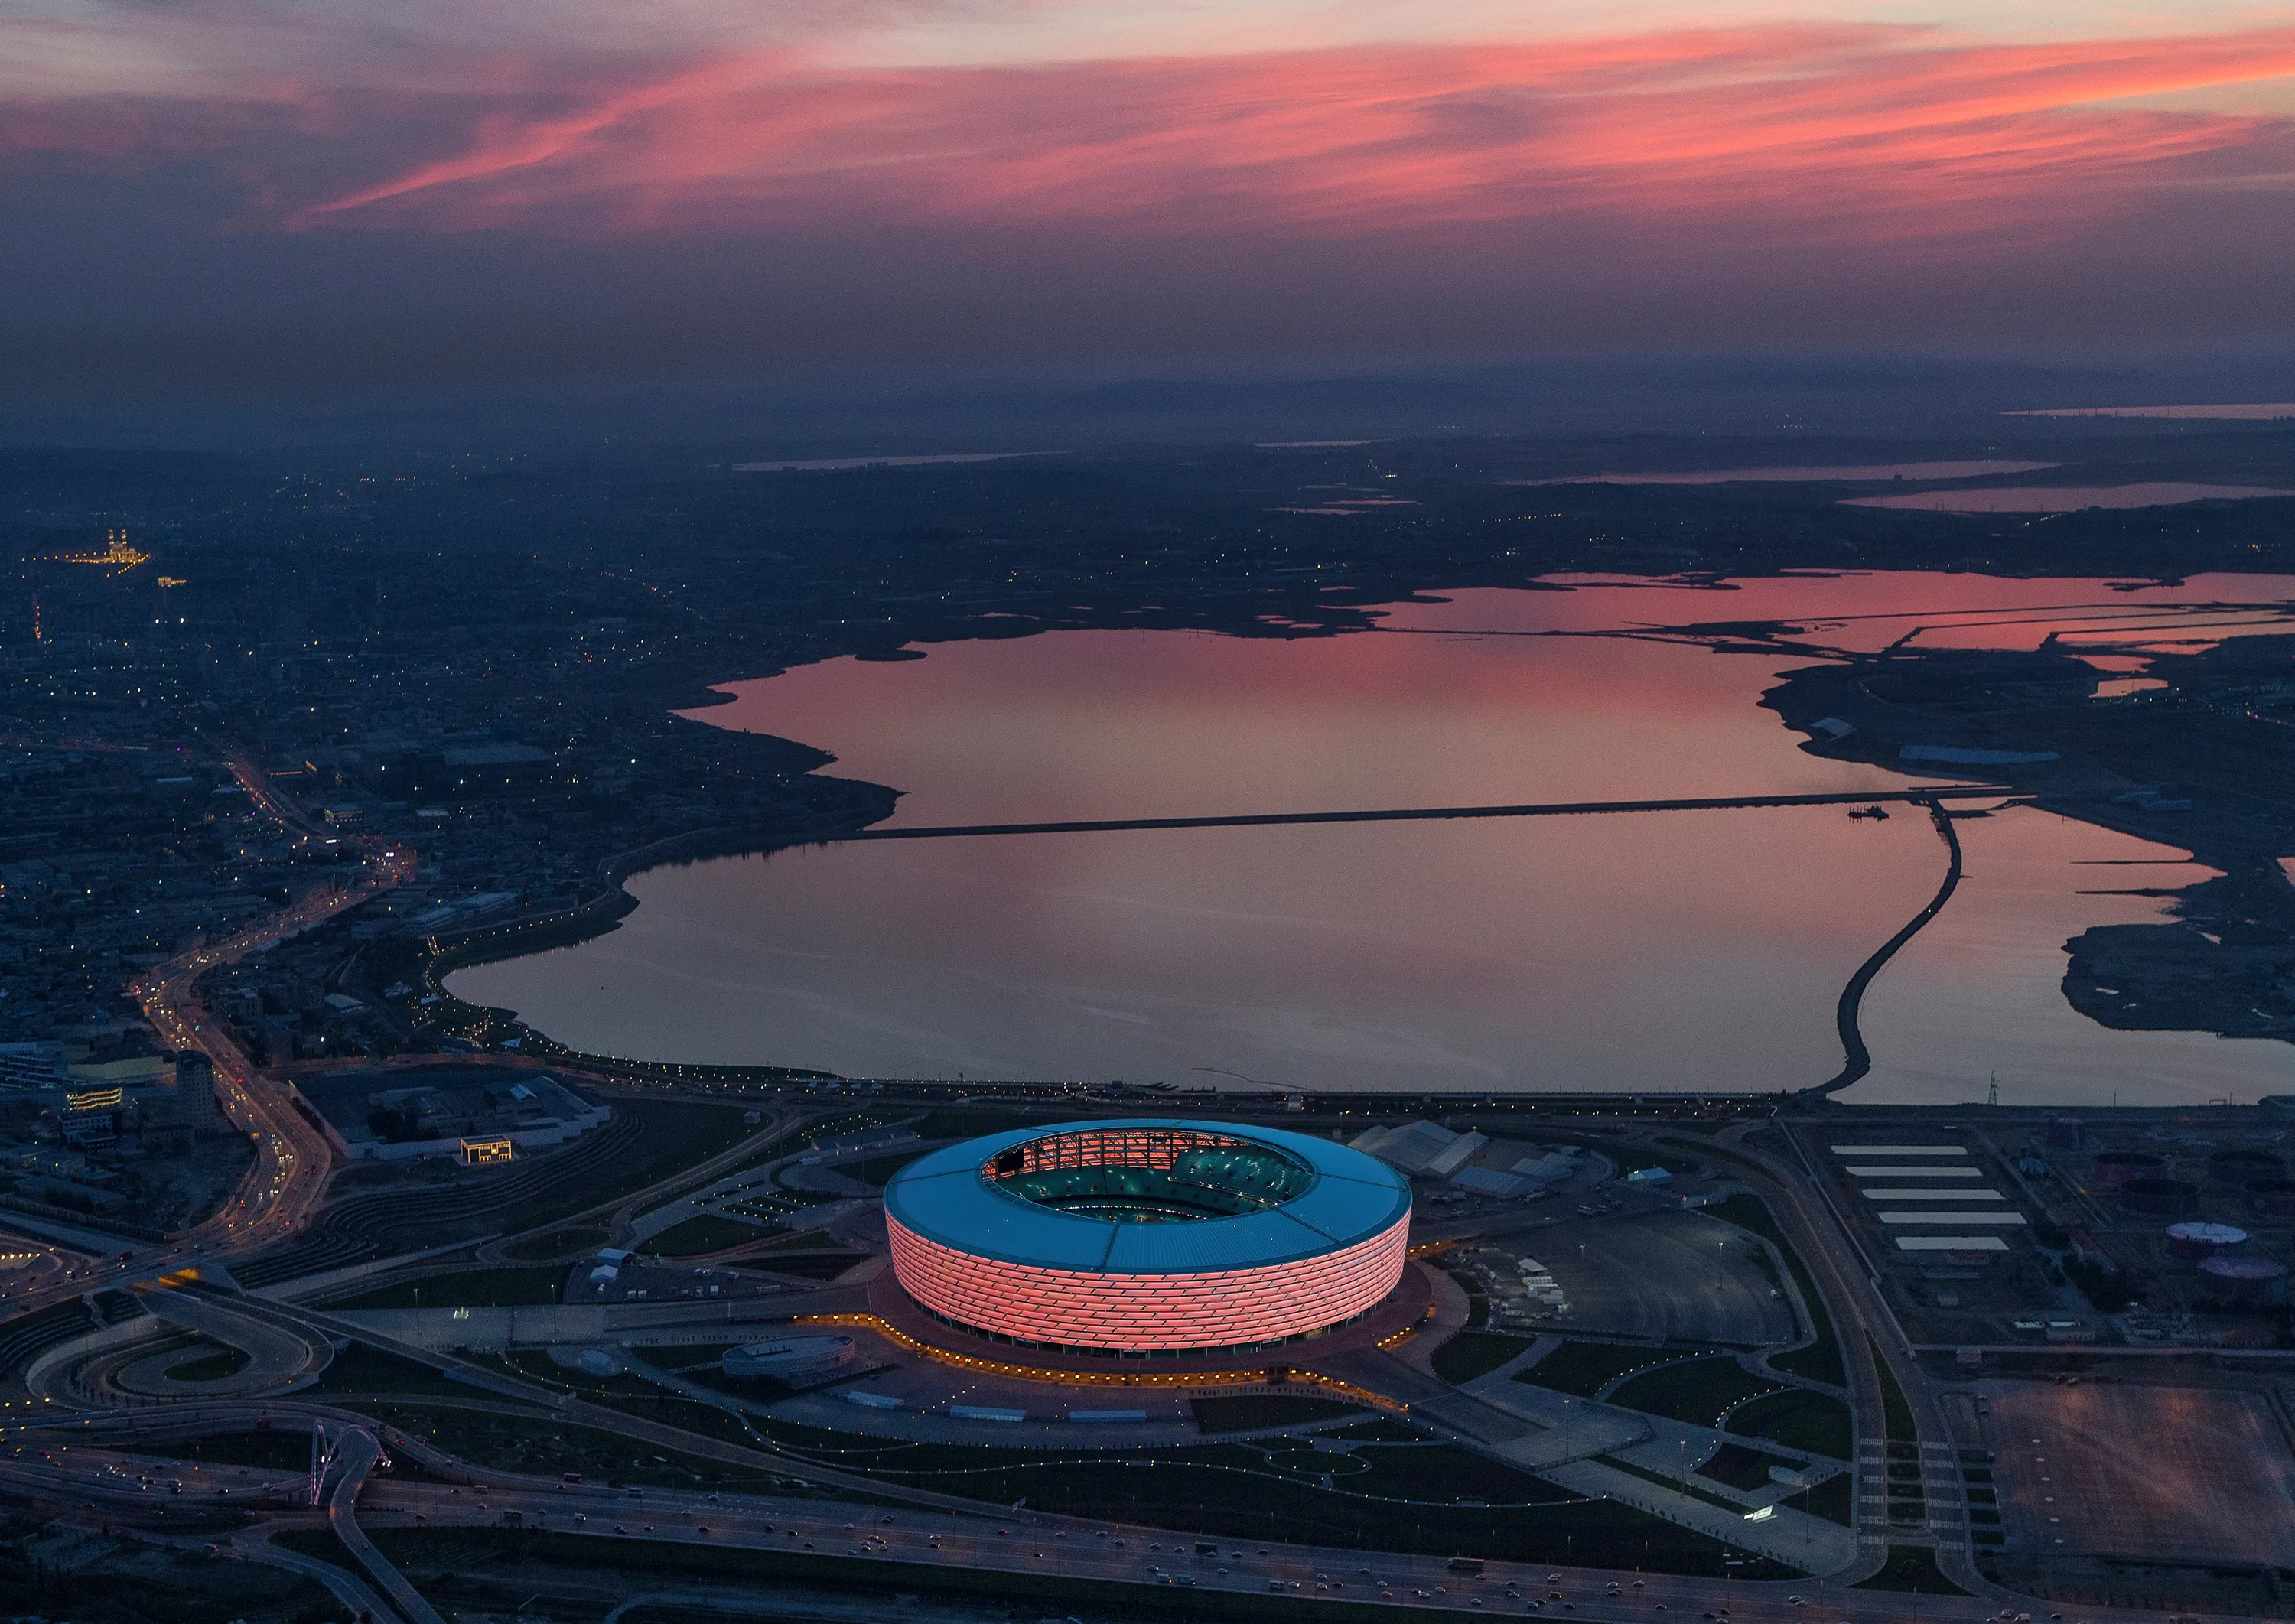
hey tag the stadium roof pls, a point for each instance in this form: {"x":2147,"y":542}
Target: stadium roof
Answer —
{"x":944,"y":1198}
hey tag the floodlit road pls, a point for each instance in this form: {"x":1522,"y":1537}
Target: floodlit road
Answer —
{"x":1127,"y":1555}
{"x":292,"y":1155}
{"x":360,"y":1452}
{"x":109,"y":1482}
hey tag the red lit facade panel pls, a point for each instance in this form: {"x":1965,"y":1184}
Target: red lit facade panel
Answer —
{"x":1211,"y":1309}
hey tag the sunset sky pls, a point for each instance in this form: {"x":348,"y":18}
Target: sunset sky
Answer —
{"x":325,"y":194}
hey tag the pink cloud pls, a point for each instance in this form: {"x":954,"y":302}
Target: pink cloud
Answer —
{"x":1875,"y":133}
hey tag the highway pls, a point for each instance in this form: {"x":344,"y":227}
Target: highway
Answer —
{"x":293,"y":1156}
{"x":857,"y":1536}
{"x":360,"y":1452}
{"x":1856,"y":1059}
{"x":1411,"y":814}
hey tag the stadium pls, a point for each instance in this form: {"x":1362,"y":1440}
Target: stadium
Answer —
{"x":1148,"y":1237}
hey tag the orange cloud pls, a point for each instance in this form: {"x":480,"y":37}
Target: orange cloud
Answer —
{"x":1871,"y":131}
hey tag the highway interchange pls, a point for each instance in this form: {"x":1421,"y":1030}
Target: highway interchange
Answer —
{"x":1037,"y":1544}
{"x":69,"y":1449}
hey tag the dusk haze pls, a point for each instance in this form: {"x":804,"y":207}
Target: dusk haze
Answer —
{"x":951,"y":811}
{"x":333,"y":200}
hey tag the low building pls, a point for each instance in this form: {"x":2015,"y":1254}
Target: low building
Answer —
{"x":790,"y":1358}
{"x":431,"y":1111}
{"x":1504,"y":1187}
{"x":32,"y":1065}
{"x":1421,"y":1148}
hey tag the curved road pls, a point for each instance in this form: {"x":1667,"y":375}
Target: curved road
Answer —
{"x":1856,"y":1059}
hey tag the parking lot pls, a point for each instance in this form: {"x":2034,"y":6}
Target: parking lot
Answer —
{"x":2179,"y":1473}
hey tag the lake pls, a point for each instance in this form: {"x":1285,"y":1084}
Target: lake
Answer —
{"x":1652,"y":950}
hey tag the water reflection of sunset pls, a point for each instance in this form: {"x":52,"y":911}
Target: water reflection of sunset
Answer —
{"x":1676,"y":951}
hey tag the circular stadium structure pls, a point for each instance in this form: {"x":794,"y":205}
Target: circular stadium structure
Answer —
{"x":1144,"y":1237}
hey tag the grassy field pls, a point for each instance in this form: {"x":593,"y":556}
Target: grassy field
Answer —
{"x":1248,"y":1412}
{"x":493,"y":1570}
{"x":542,"y":1443}
{"x":1800,"y":1419}
{"x":208,"y":1364}
{"x":678,"y":1134}
{"x":878,"y":1169}
{"x":1834,"y":1499}
{"x":113,"y":1579}
{"x":1478,"y":1303}
{"x":1203,"y":1499}
{"x":473,"y":1288}
{"x":1584,"y":1368}
{"x":1896,"y":1412}
{"x":359,"y":1369}
{"x":1911,"y":1568}
{"x":972,"y":1124}
{"x":812,"y":1266}
{"x":1741,"y":1467}
{"x":1473,"y":1354}
{"x":703,"y":1233}
{"x":1444,"y":1472}
{"x":557,"y":1243}
{"x":1630,"y":1158}
{"x":1821,"y":1360}
{"x":1619,"y":1464}
{"x":1379,"y":1429}
{"x":1698,"y":1390}
{"x":286,"y":1447}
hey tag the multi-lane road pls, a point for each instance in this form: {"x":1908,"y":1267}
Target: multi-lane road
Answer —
{"x":858,"y":1539}
{"x":292,"y":1155}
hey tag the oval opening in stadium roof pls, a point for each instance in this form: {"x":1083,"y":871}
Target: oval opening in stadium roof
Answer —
{"x":1149,"y":1174}
{"x":1147,"y":1235}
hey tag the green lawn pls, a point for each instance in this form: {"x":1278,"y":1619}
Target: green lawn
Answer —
{"x":1834,"y":1499}
{"x":1800,"y":1419}
{"x":284,"y":1447}
{"x":359,"y":1369}
{"x":1473,"y":1354}
{"x":1911,"y":1568}
{"x":542,"y":1443}
{"x":208,"y":1365}
{"x":1379,"y":1429}
{"x":450,"y":1563}
{"x":678,"y":1134}
{"x":1631,"y":1158}
{"x":1741,"y":1467}
{"x":1619,"y":1464}
{"x":1821,"y":1360}
{"x":878,"y":1169}
{"x":1249,"y":1412}
{"x":703,"y":1233}
{"x":812,"y":1266}
{"x":1584,"y":1368}
{"x":1444,"y":1472}
{"x":473,"y":1288}
{"x":1478,"y":1304}
{"x":1896,"y":1412}
{"x":1201,"y":1500}
{"x":1698,"y":1390}
{"x":557,"y":1243}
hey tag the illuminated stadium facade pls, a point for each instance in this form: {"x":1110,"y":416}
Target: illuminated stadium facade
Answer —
{"x":1146,"y":1237}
